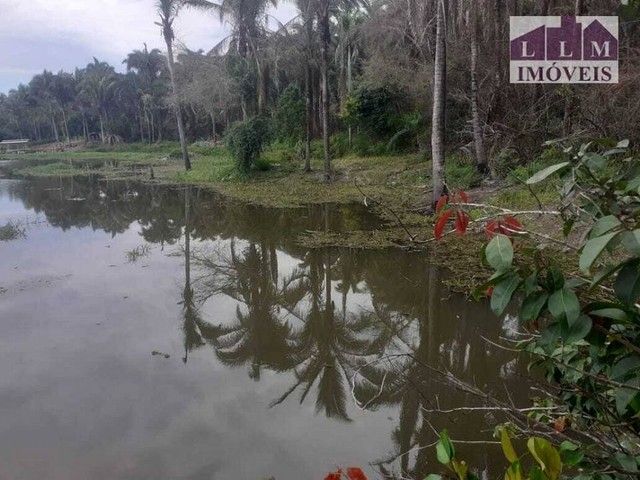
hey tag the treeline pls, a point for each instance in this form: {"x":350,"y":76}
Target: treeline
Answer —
{"x":376,"y":59}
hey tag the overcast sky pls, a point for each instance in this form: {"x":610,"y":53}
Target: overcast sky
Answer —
{"x":63,"y":34}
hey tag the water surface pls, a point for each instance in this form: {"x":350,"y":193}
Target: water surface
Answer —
{"x":171,"y":333}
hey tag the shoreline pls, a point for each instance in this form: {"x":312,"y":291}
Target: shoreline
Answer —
{"x":396,"y":182}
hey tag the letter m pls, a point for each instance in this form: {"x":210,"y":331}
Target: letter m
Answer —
{"x":600,"y":50}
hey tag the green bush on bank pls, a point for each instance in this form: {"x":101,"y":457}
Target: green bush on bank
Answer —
{"x":246,"y":141}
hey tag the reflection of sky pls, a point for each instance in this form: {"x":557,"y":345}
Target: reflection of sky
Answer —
{"x":81,"y":396}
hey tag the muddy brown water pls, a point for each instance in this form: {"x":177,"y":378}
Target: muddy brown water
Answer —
{"x":156,"y":332}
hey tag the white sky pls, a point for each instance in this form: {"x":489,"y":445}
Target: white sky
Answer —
{"x":62,"y":34}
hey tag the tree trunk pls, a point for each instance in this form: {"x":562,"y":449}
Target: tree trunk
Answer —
{"x":307,"y":117}
{"x":570,"y":104}
{"x":66,"y":127}
{"x":142,"y":117}
{"x":478,"y":134}
{"x":102,"y":135}
{"x":439,"y":96}
{"x":213,"y":127}
{"x":55,"y":128}
{"x":325,"y":39}
{"x":349,"y":82}
{"x":85,"y":128}
{"x":174,"y":87}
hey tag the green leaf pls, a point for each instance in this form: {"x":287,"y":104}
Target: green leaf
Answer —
{"x":624,"y":396}
{"x":627,"y":286}
{"x":575,"y":282}
{"x":433,"y":476}
{"x":542,"y":174}
{"x":547,"y":457}
{"x":555,"y":279}
{"x":564,"y":304}
{"x":612,"y":313}
{"x":577,"y":331}
{"x":572,"y":458}
{"x":603,"y":225}
{"x":593,"y":249}
{"x":603,"y":274}
{"x":514,"y":472}
{"x":631,"y":241}
{"x":532,"y":306}
{"x":503,"y":292}
{"x":536,"y":474}
{"x":595,"y":162}
{"x":624,"y":366}
{"x":623,"y":143}
{"x":444,"y":449}
{"x":624,"y":461}
{"x":507,"y":446}
{"x":570,"y":454}
{"x":499,"y":252}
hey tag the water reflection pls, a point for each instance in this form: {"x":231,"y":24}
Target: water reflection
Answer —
{"x":334,"y":321}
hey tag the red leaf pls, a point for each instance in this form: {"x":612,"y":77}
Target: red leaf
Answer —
{"x":462,"y":222}
{"x":560,"y":424}
{"x":463,"y":196}
{"x":511,"y":225}
{"x":491,"y":228}
{"x":441,"y":222}
{"x":441,"y":203}
{"x":355,"y":473}
{"x":334,"y":475}
{"x":490,"y":291}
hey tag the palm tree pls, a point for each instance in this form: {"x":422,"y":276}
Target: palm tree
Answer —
{"x":42,"y":88}
{"x":324,"y":9}
{"x":97,"y":86}
{"x":168,"y":11}
{"x":148,"y":67}
{"x":246,"y":18}
{"x":439,"y":99}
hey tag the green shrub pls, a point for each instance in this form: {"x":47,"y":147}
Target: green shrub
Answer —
{"x":246,"y":141}
{"x":407,"y":128}
{"x":289,"y":115}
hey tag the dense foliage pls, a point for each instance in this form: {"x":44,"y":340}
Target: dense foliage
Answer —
{"x":585,"y":323}
{"x":246,"y":140}
{"x":379,"y":70}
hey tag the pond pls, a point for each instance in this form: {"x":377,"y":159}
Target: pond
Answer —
{"x":151,"y":331}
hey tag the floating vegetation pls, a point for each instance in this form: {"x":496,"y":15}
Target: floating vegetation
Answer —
{"x":137,"y":253}
{"x":156,"y":353}
{"x":11,"y":231}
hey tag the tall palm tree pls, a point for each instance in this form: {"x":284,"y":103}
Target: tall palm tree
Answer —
{"x":148,"y":66}
{"x":324,"y":10}
{"x":439,"y":99}
{"x":248,"y":22}
{"x":244,"y":16}
{"x":97,"y":85}
{"x":168,"y":11}
{"x":42,"y":88}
